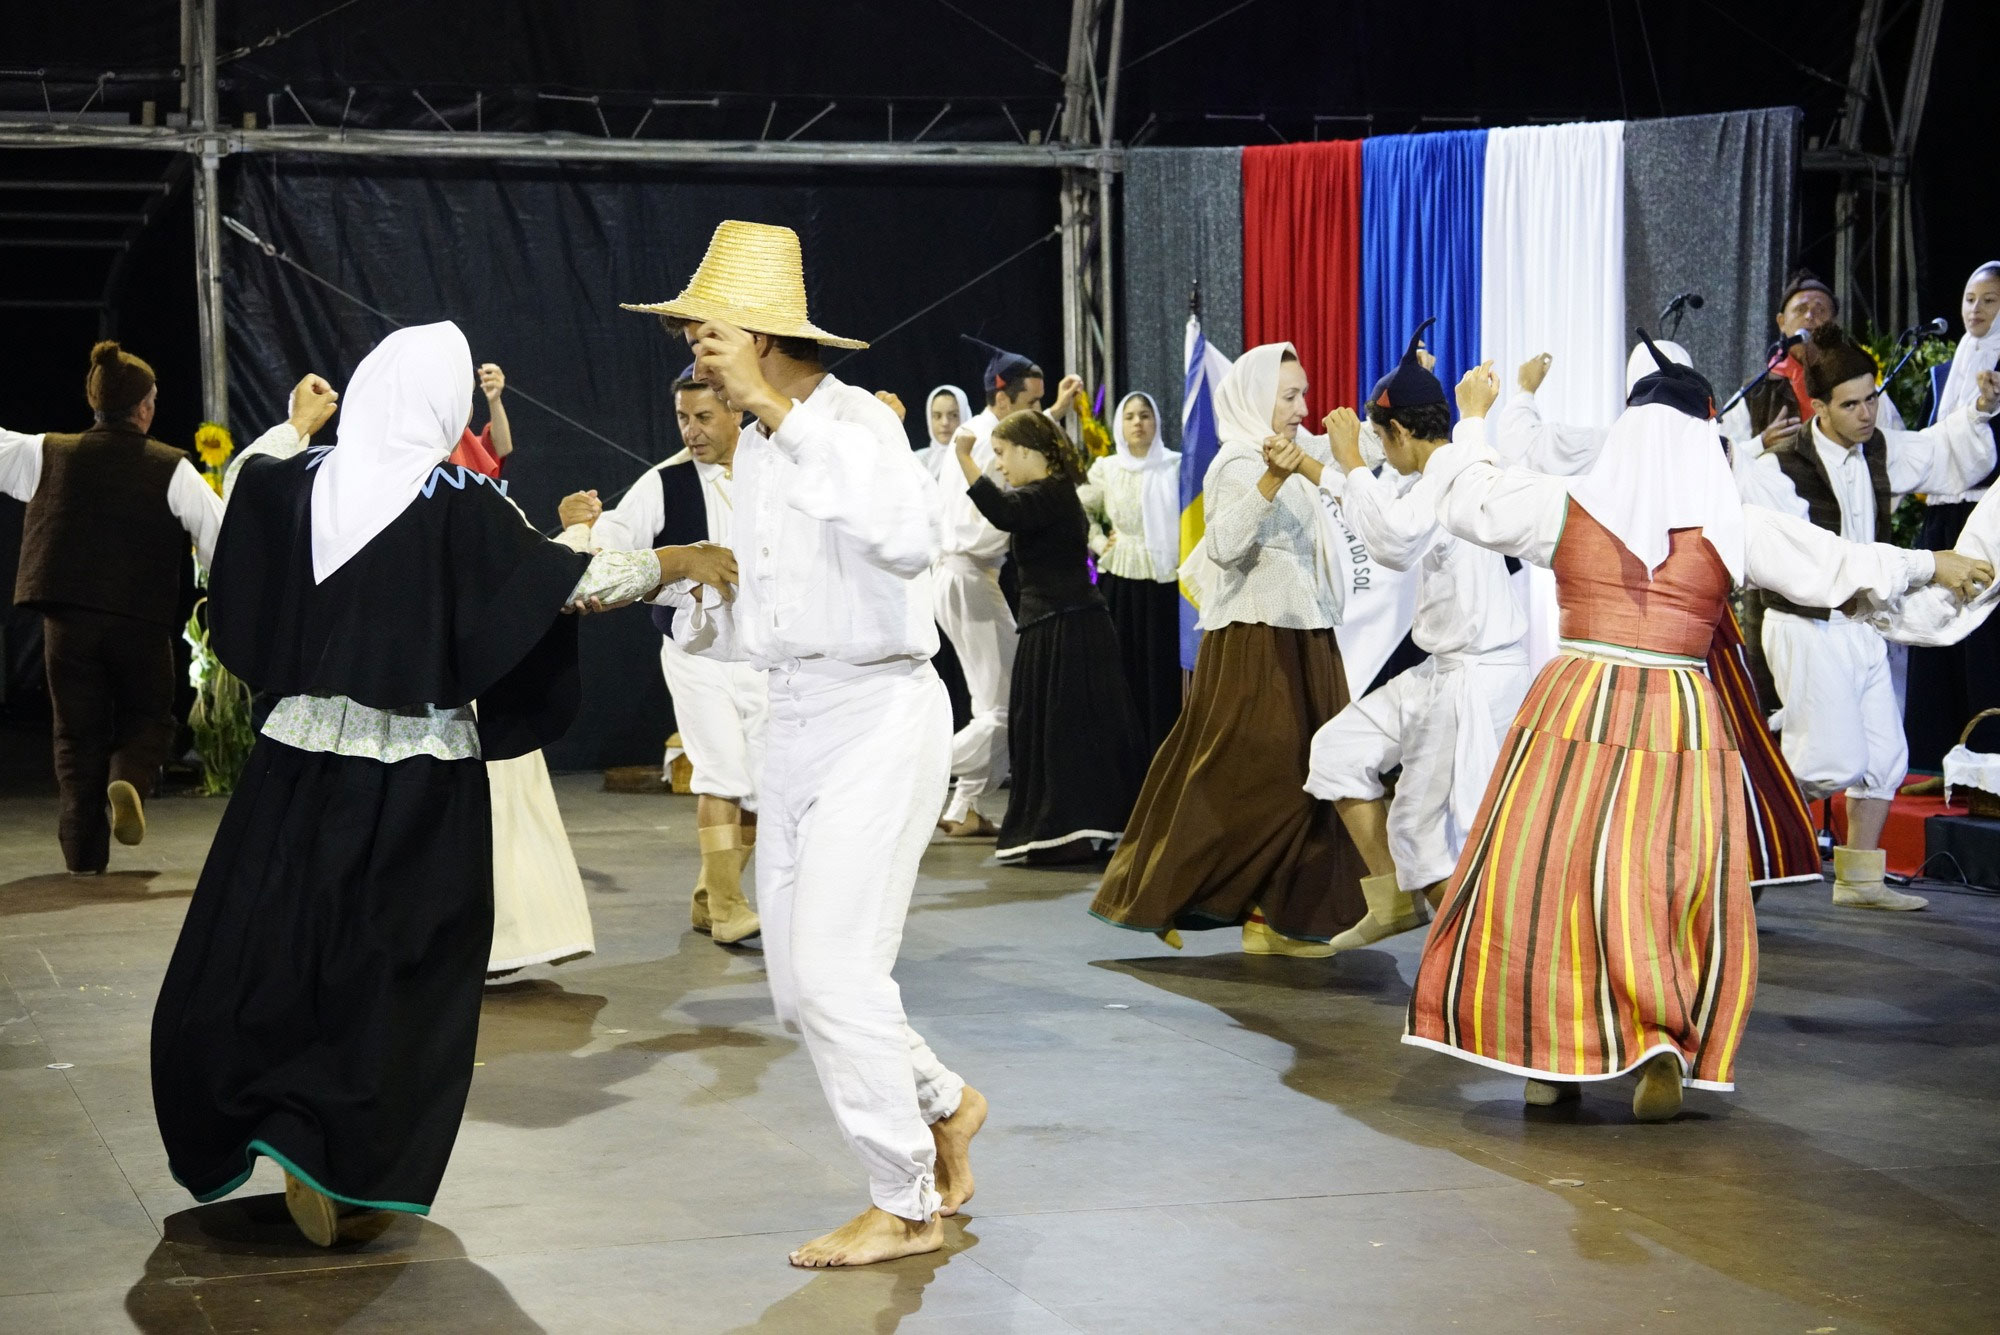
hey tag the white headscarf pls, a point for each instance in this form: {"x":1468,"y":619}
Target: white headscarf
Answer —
{"x":1641,"y":364}
{"x":1662,"y":470}
{"x":1961,"y":383}
{"x":403,"y":412}
{"x":964,"y":412}
{"x":1160,"y":494}
{"x":1247,"y":396}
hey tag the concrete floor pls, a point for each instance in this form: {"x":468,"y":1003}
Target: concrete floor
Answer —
{"x":1193,"y":1142}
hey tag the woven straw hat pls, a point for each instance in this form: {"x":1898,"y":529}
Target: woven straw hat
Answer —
{"x":754,"y":278}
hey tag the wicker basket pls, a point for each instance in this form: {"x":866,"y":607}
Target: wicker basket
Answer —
{"x":1983,"y":804}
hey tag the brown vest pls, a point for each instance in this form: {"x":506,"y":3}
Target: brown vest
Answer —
{"x":98,"y":533}
{"x":1801,"y":462}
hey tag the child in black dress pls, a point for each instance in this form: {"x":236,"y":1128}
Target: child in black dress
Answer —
{"x":1078,"y":752}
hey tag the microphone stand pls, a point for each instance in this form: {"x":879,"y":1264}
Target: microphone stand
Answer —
{"x":1907,"y":336}
{"x":1770,"y":365}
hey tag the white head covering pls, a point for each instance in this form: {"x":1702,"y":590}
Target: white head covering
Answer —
{"x":1662,"y":470}
{"x":1961,"y":383}
{"x":1248,"y":394}
{"x":1641,"y":364}
{"x":964,"y":411}
{"x":1160,"y":496}
{"x":403,"y":412}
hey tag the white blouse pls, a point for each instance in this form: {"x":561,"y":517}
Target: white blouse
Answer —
{"x":1114,"y":498}
{"x":1268,"y":552}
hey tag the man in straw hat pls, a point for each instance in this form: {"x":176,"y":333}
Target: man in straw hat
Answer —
{"x":836,"y":528}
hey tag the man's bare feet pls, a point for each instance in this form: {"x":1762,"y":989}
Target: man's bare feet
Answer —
{"x":974,"y":826}
{"x":871,"y":1236}
{"x":954,"y":1150}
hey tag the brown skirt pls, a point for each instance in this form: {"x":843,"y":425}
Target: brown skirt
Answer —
{"x":1224,"y":824}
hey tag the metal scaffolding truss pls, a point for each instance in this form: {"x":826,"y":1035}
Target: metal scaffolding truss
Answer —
{"x":1085,"y":155}
{"x":1874,"y":183}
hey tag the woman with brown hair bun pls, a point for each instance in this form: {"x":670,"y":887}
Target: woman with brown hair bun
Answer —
{"x":1074,"y":742}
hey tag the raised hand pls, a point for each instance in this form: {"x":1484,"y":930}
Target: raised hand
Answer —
{"x":492,"y":380}
{"x":1781,"y":431}
{"x":1343,"y":433}
{"x":1989,"y":390}
{"x":894,"y":404}
{"x":579,"y":507}
{"x":1477,"y":390}
{"x":1067,"y":393}
{"x":313,"y":404}
{"x":1533,"y":371}
{"x":725,"y":359}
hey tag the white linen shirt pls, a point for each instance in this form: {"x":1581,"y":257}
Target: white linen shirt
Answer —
{"x":967,"y":533}
{"x":189,"y":497}
{"x":1115,"y":500}
{"x":1465,"y":597}
{"x":635,"y":521}
{"x":837,"y":526}
{"x":1267,"y":551}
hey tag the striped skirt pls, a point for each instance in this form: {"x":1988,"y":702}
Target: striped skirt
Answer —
{"x":1783,"y":845}
{"x":1600,"y":912}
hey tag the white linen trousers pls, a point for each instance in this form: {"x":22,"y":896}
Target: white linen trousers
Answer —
{"x":974,"y":615}
{"x":855,"y":763}
{"x":720,"y":711}
{"x":1841,"y":725}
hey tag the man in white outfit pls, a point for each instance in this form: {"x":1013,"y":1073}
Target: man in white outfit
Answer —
{"x":719,"y":708}
{"x":835,"y":533}
{"x":969,"y":603}
{"x":1442,"y":721}
{"x":1841,"y":724}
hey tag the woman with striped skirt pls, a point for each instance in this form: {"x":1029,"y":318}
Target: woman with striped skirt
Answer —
{"x":1599,"y":922}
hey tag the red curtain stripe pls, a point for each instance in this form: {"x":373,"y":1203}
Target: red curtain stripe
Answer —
{"x":1302,"y":262}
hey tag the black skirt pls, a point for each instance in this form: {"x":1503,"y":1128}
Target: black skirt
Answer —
{"x":1951,"y":683}
{"x":1147,"y":617}
{"x":322,"y":1004}
{"x":1074,"y":741}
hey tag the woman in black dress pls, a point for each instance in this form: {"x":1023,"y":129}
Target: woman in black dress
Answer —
{"x":1076,"y":746}
{"x":322,"y":1002}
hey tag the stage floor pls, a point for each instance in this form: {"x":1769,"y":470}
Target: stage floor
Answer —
{"x":1179,"y":1142}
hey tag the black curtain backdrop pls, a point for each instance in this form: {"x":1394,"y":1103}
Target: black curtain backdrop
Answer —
{"x":532,"y":261}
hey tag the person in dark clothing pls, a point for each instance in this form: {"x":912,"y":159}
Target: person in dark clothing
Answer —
{"x":1075,"y":744}
{"x":111,"y":516}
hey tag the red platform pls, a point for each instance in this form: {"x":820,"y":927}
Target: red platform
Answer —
{"x":1903,"y":836}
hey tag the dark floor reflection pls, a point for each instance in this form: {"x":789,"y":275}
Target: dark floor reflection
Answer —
{"x":239,"y":1264}
{"x":873,"y":1300}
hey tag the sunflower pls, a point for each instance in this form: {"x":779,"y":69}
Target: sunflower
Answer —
{"x":213,"y":444}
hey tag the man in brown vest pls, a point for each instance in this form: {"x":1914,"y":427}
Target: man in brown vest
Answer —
{"x":1841,"y":723}
{"x":111,"y":515}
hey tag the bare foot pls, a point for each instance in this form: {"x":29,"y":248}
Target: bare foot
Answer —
{"x":871,"y":1236}
{"x":954,"y":1150}
{"x":974,"y":826}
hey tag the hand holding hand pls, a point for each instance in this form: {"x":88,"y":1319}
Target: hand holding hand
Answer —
{"x":894,"y":404}
{"x":492,"y":380}
{"x":1282,"y":454}
{"x":313,"y":404}
{"x":1963,"y":575}
{"x":1343,"y":433}
{"x":1533,"y":371}
{"x":705,"y":563}
{"x":579,"y":507}
{"x":1477,"y":390}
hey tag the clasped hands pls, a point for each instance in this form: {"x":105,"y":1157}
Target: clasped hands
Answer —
{"x":707,"y":563}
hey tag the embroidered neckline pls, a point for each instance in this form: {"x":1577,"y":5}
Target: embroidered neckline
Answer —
{"x":458,"y":475}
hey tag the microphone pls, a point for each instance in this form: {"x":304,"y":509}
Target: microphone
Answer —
{"x":1691,"y":300}
{"x":1937,"y":328}
{"x":1788,"y":342}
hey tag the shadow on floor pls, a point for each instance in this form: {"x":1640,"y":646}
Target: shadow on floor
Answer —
{"x":552,"y":1056}
{"x":874,"y":1299}
{"x":1750,"y":1197}
{"x":54,"y":893}
{"x":241,"y":1265}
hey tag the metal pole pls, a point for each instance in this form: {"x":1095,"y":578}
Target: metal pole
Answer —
{"x":1075,"y":208}
{"x":203,"y":113}
{"x":1916,"y":93}
{"x":1846,"y":204}
{"x":1106,"y":298}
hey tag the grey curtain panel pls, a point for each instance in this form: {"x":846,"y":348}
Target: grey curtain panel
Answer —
{"x":1709,"y":206}
{"x":1183,"y":221}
